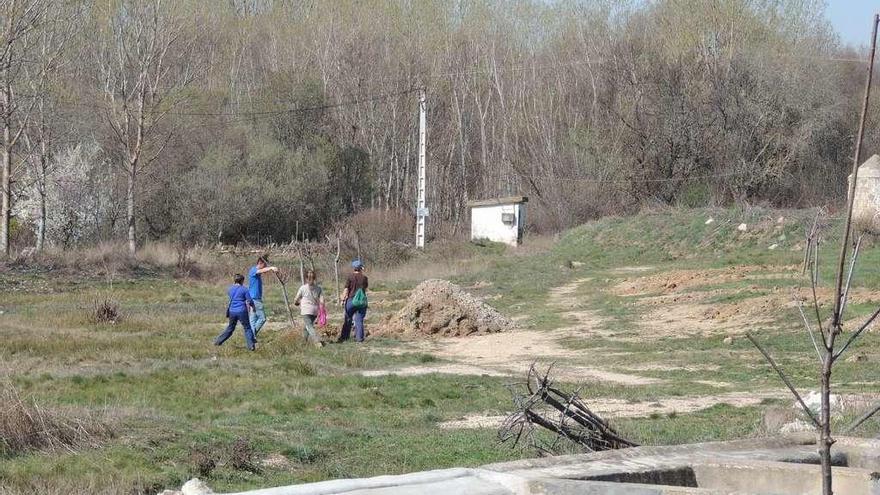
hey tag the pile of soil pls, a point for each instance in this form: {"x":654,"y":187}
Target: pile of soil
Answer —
{"x":441,"y":308}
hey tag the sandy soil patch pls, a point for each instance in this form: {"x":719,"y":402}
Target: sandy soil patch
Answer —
{"x":576,"y":374}
{"x":567,"y":296}
{"x":611,"y":408}
{"x":276,"y":461}
{"x":586,"y":323}
{"x":670,"y":367}
{"x":688,"y":320}
{"x":510,"y":353}
{"x":632,"y":269}
{"x":580,"y":374}
{"x":448,"y":369}
{"x":680,"y":280}
{"x":473,"y":421}
{"x":676,"y":307}
{"x":690,"y":314}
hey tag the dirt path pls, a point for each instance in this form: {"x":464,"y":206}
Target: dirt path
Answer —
{"x":620,"y":408}
{"x":511,"y":353}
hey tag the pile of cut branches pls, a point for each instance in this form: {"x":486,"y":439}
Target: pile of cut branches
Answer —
{"x":541,"y":405}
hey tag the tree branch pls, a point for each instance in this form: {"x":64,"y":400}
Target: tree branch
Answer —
{"x":863,"y":418}
{"x":852,"y":265}
{"x":785,"y":380}
{"x":809,"y":329}
{"x":854,"y":336}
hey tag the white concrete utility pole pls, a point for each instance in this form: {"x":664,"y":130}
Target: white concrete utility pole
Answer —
{"x":421,"y":206}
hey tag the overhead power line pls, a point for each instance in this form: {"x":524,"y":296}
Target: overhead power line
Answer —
{"x":303,"y":109}
{"x":631,"y":180}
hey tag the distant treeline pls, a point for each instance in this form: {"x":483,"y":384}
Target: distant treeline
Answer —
{"x":261,"y":120}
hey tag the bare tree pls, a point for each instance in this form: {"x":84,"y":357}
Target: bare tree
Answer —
{"x":613,"y":105}
{"x":21,"y":20}
{"x":41,"y":136}
{"x":829,"y":330}
{"x":141,"y":85}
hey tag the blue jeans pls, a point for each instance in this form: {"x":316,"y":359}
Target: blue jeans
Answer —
{"x":355,"y":316}
{"x":234,"y":318}
{"x":258,"y":316}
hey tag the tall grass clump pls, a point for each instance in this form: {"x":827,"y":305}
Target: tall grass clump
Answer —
{"x":104,"y":310}
{"x":25,"y":426}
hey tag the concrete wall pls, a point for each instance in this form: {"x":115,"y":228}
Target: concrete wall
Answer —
{"x":785,"y":465}
{"x":486,"y":223}
{"x":782,"y":478}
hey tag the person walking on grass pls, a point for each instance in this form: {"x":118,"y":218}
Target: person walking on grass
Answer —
{"x":237,"y":311}
{"x":354,"y":297}
{"x":255,"y":282}
{"x":310,"y":299}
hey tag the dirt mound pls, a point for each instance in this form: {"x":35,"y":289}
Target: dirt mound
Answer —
{"x":438,"y":307}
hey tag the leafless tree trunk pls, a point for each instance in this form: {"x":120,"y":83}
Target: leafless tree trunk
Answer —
{"x":21,"y":18}
{"x":40,"y":136}
{"x":830,"y":331}
{"x":839,"y":292}
{"x":137,"y":81}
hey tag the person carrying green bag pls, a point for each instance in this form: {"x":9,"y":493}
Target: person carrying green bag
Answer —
{"x":354,"y":297}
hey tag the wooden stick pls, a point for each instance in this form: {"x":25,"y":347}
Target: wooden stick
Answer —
{"x":302,"y":275}
{"x":286,"y":299}
{"x":336,"y":268}
{"x":809,"y":245}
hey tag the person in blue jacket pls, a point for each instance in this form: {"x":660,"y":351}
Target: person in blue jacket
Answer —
{"x":237,"y":311}
{"x":255,"y":282}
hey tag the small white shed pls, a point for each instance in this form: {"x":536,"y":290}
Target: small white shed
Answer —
{"x":498,"y":219}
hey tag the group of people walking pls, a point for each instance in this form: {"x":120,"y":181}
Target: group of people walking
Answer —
{"x":246,"y":304}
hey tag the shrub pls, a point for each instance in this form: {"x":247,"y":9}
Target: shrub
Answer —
{"x":241,"y":456}
{"x":381,"y":237}
{"x":202,"y":462}
{"x":106,"y":310}
{"x":109,"y":260}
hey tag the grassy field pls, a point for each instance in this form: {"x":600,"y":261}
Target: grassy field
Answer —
{"x":172,"y":404}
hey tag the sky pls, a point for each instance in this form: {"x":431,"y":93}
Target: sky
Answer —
{"x":852,"y":19}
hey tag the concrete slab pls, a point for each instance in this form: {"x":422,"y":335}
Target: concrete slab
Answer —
{"x":785,"y":465}
{"x":446,"y":481}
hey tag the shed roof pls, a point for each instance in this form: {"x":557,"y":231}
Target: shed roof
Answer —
{"x":871,"y":168}
{"x":509,"y":200}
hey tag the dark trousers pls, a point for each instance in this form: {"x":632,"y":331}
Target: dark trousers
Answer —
{"x":356,"y":317}
{"x":234,"y":318}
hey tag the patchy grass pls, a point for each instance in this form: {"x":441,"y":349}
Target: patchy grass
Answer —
{"x":184,"y":408}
